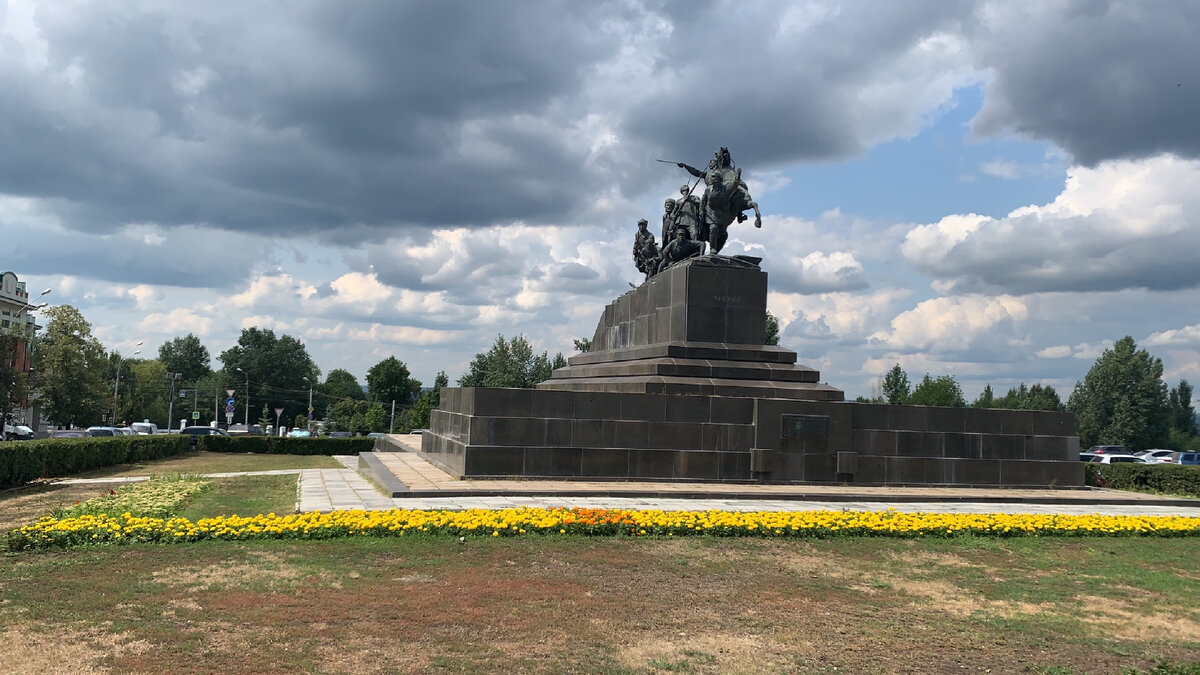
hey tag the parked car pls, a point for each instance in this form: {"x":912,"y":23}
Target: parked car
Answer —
{"x":125,"y":431}
{"x":68,"y":433}
{"x":146,"y":428}
{"x":243,"y":430}
{"x":201,"y":431}
{"x":340,"y":434}
{"x":299,"y":433}
{"x":1109,"y":450}
{"x":102,"y":431}
{"x":1117,"y":459}
{"x":376,"y":434}
{"x":1187,"y":458}
{"x":17,"y":432}
{"x":1158,"y":456}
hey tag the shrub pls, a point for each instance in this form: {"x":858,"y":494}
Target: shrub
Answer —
{"x":23,"y":461}
{"x":272,"y":445}
{"x":1177,"y":480}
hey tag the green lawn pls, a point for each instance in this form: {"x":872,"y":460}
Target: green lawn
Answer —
{"x":611,"y":605}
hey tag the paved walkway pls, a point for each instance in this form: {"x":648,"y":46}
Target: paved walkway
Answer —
{"x":347,"y":488}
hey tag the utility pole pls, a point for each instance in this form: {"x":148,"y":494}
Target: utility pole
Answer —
{"x":171,"y":378}
{"x":392,"y":423}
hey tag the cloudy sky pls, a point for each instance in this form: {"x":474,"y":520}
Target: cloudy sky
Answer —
{"x":993,"y":190}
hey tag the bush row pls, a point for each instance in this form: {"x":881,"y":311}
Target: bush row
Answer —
{"x":272,"y":445}
{"x":1176,"y":480}
{"x":23,"y":461}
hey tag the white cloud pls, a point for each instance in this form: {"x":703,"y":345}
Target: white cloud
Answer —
{"x":954,"y":323}
{"x":1120,"y":225}
{"x":176,"y":322}
{"x":1186,"y":336}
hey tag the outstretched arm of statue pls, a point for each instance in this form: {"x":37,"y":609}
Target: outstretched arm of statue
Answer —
{"x":691,"y":169}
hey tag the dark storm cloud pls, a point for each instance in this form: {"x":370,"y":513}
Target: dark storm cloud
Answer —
{"x":353,"y":120}
{"x":1101,"y":79}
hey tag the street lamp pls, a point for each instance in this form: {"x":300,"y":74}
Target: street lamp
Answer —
{"x":310,"y":415}
{"x":117,"y":384}
{"x":247,"y":398}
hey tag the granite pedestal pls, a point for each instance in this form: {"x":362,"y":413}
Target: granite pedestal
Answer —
{"x":679,"y":386}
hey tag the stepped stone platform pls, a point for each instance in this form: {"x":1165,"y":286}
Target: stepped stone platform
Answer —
{"x":680,"y":387}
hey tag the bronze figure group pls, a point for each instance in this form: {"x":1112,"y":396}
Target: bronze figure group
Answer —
{"x":690,"y":222}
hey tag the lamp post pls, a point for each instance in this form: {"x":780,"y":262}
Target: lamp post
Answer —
{"x":247,"y":398}
{"x":310,"y":415}
{"x":117,"y":384}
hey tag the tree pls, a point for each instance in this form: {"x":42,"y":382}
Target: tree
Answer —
{"x":417,"y":416}
{"x":342,"y":384}
{"x":187,"y":356}
{"x":346,"y":415}
{"x":1183,"y":415}
{"x":70,"y":365}
{"x":942,"y":390}
{"x":510,"y":363}
{"x":1035,"y":397}
{"x":276,"y":367}
{"x":376,"y":418}
{"x":895,"y":386}
{"x":143,"y":395}
{"x":772,"y":329}
{"x":986,"y":399}
{"x":583,"y":344}
{"x":389,"y":380}
{"x":1122,"y":400}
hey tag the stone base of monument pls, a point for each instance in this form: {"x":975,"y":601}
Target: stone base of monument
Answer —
{"x":679,"y":386}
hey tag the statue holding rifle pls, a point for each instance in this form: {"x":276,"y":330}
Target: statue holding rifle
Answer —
{"x":725,"y":198}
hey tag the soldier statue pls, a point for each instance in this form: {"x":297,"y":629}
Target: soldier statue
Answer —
{"x":725,"y":198}
{"x":679,"y":249}
{"x":645,"y":250}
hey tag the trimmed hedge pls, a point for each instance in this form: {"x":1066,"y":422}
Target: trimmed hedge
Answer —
{"x":1176,"y":480}
{"x":23,"y":461}
{"x":274,"y":445}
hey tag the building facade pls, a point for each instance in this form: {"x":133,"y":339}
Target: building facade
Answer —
{"x":18,"y":325}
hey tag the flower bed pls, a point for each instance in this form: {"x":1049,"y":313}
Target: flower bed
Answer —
{"x":126,"y":528}
{"x":159,"y":497}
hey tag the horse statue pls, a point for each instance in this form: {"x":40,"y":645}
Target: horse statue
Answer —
{"x":725,"y":198}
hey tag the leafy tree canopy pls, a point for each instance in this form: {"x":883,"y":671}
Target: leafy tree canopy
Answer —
{"x":276,"y":367}
{"x":186,"y":355}
{"x":342,"y":384}
{"x":389,"y":380}
{"x":772,"y":329}
{"x":1122,"y":400}
{"x":71,"y":366}
{"x":510,"y":363}
{"x":1021,"y":397}
{"x":895,"y":386}
{"x":942,"y":390}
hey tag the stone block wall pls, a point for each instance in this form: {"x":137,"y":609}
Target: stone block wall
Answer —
{"x":544,"y":433}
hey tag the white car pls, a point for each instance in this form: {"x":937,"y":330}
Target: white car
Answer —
{"x":1158,"y":456}
{"x":1117,"y":459}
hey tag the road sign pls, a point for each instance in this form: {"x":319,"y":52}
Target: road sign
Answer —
{"x":229,"y":393}
{"x":229,"y":410}
{"x":310,"y":410}
{"x":278,"y":412}
{"x":195,"y":414}
{"x":229,"y":401}
{"x":228,"y":417}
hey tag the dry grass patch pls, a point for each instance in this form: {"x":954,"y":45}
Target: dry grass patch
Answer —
{"x":1121,"y":620}
{"x":262,"y":568}
{"x":708,"y":652}
{"x":62,"y":649}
